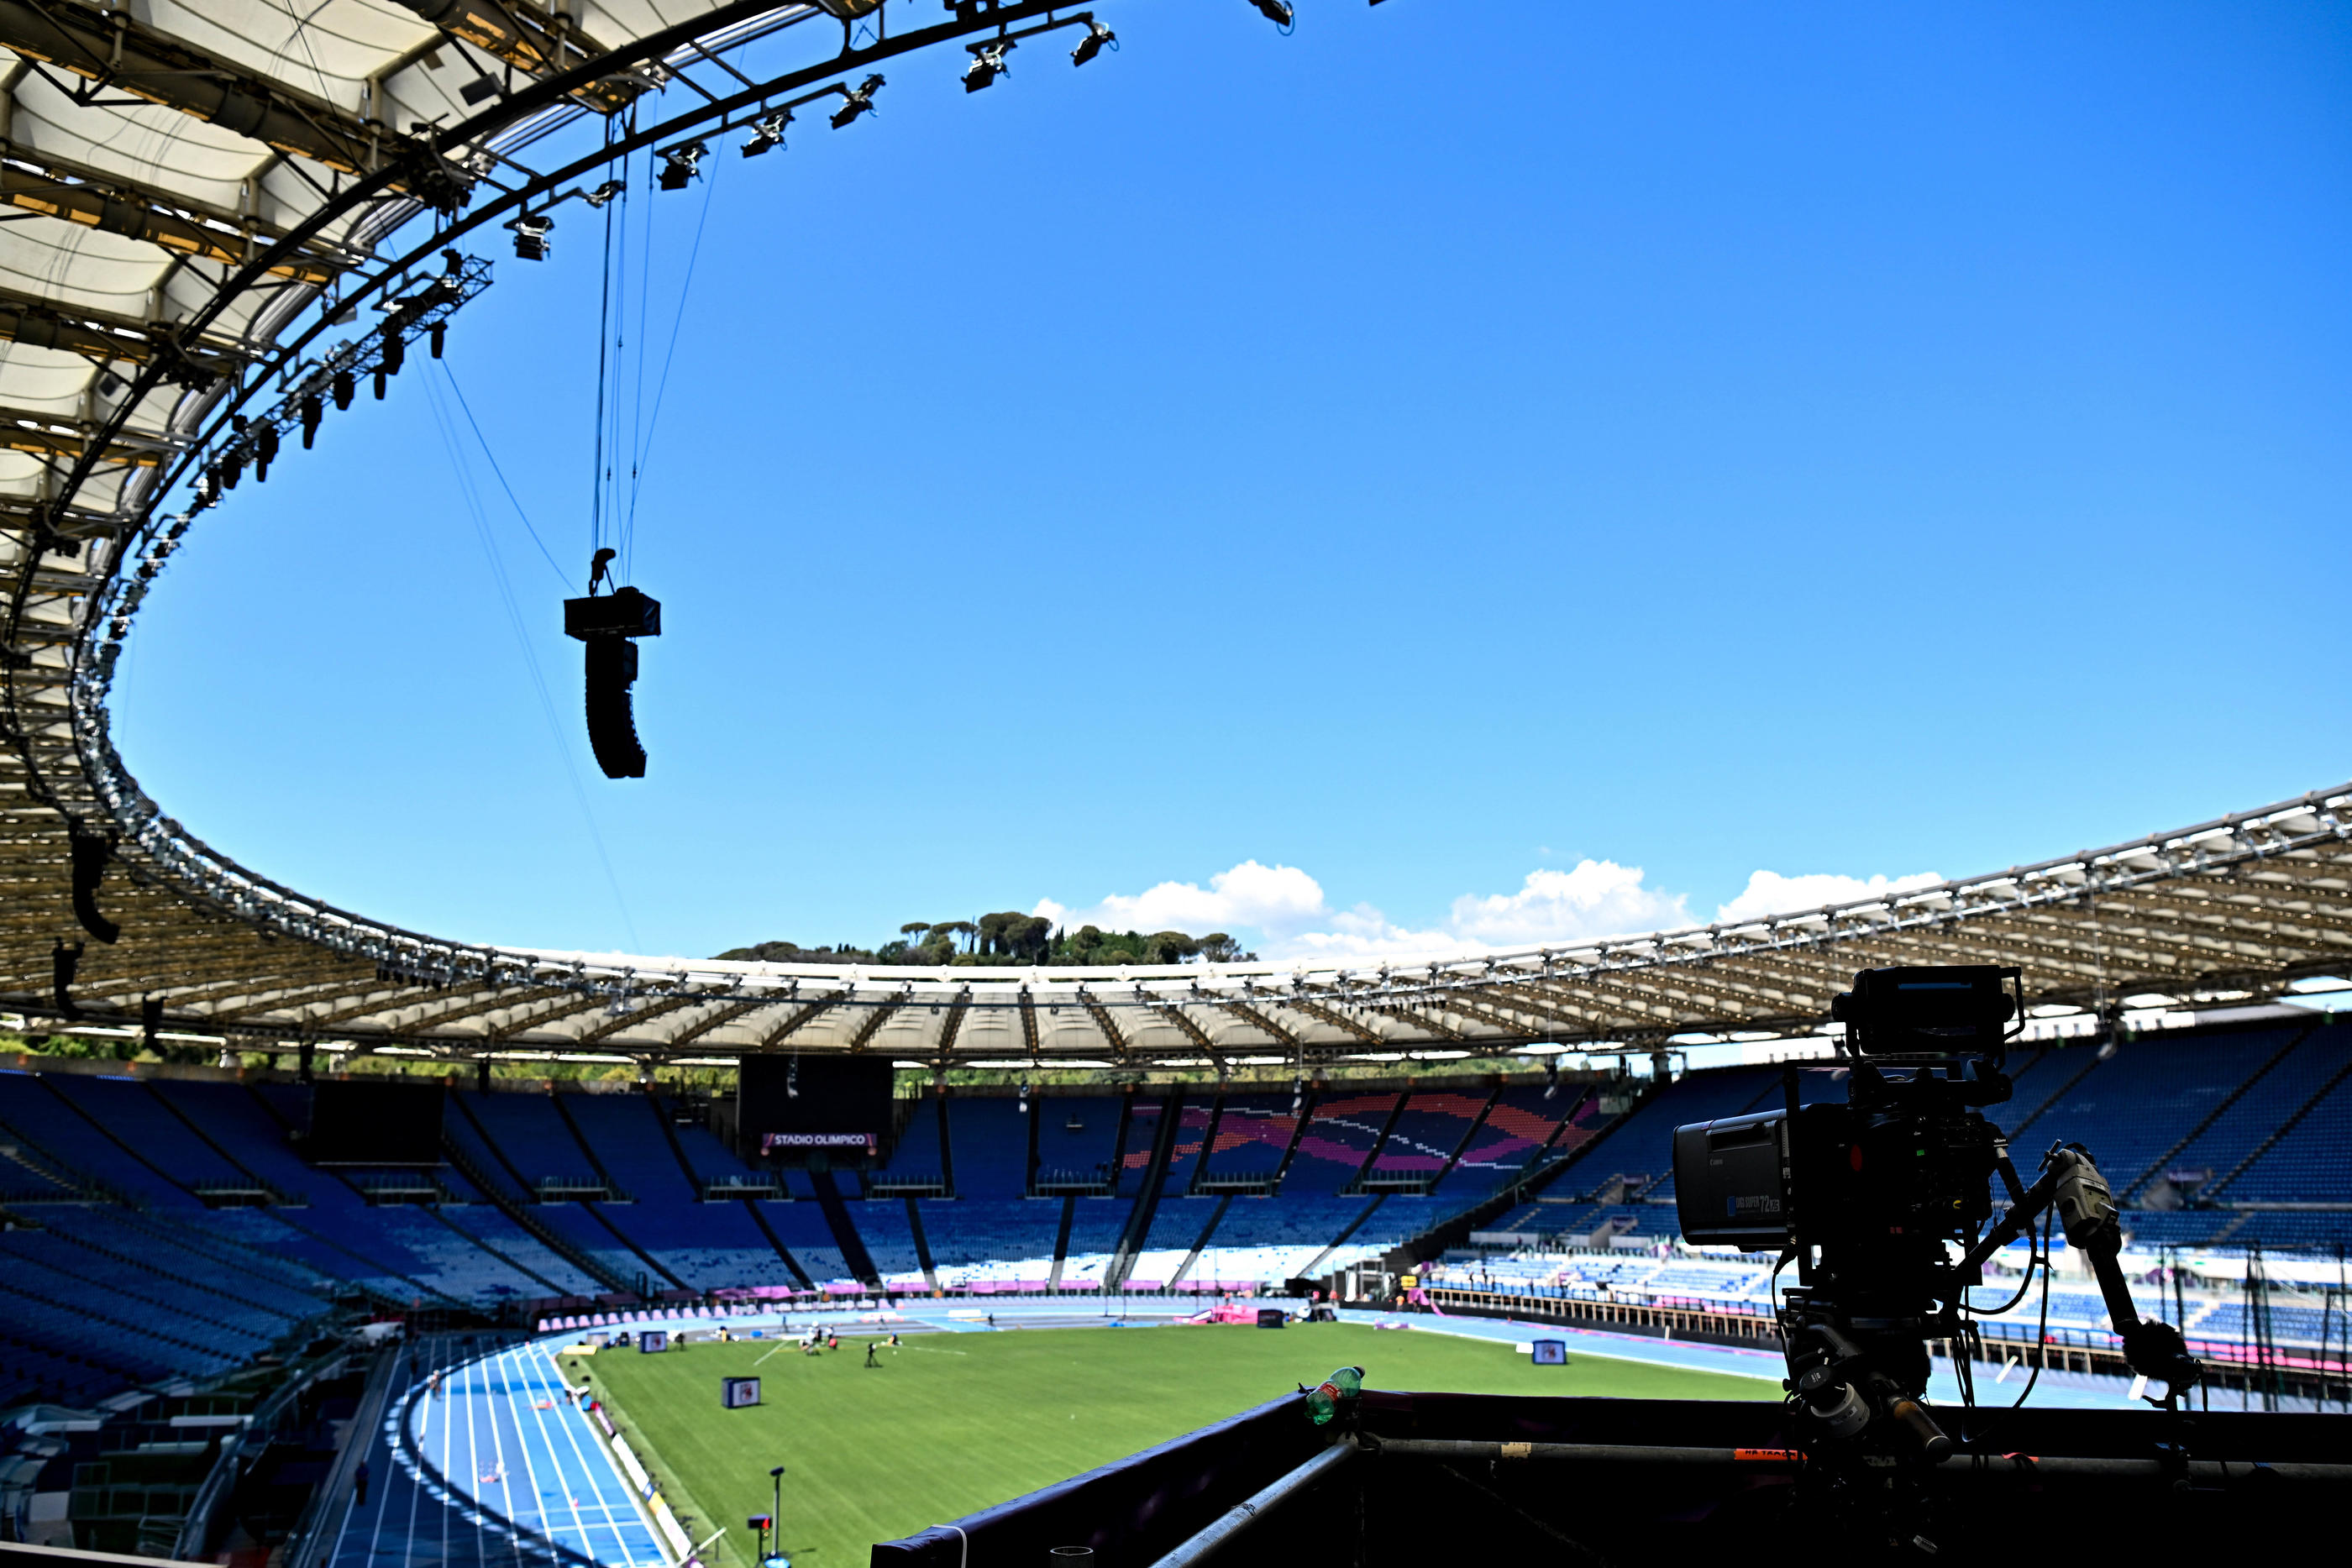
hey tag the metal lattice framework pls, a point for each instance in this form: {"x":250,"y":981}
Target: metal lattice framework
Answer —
{"x":223,"y":218}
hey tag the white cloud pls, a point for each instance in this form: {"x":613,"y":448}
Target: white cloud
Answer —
{"x":1286,"y":910}
{"x":1598,"y":898}
{"x":1361,"y":934}
{"x":1258,"y":897}
{"x":1769,"y":893}
{"x":1281,"y":911}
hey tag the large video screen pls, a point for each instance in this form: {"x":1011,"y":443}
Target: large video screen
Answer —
{"x":355,"y":1121}
{"x":789,"y":1108}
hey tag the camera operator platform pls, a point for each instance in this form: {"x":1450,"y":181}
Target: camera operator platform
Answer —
{"x":1883,"y":1203}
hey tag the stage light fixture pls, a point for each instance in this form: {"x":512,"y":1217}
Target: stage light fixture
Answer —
{"x":313,"y":412}
{"x":531,"y":236}
{"x":604,"y":192}
{"x":1092,"y":44}
{"x":435,"y":337}
{"x":1278,"y":11}
{"x":987,"y":64}
{"x":857,"y":101}
{"x":767,"y":131}
{"x":344,"y":389}
{"x":265,"y":449}
{"x":680,"y":164}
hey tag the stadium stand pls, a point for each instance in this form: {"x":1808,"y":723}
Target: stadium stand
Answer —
{"x":131,"y":1199}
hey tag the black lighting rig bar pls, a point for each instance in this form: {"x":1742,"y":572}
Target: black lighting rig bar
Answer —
{"x":423,"y":312}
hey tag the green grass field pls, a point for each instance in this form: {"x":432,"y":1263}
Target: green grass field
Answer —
{"x":952,"y":1423}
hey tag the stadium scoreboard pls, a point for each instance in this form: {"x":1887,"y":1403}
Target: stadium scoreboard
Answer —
{"x":358,"y":1122}
{"x":794,"y":1111}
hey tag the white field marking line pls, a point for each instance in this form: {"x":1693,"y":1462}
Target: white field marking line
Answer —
{"x":494,"y":1381}
{"x":612,"y":1472}
{"x":584,"y":1481}
{"x":643,"y":1507}
{"x":471,"y":1493}
{"x":548,"y":1526}
{"x":926,"y":1350}
{"x":600,"y":1484}
{"x":555,"y":1458}
{"x":391,"y":1469}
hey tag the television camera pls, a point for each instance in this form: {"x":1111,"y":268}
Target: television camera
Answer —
{"x":1884,"y":1202}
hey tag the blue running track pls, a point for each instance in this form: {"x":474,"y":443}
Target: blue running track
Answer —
{"x":492,"y":1469}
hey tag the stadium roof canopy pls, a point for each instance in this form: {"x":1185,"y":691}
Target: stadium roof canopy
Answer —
{"x":222,"y":218}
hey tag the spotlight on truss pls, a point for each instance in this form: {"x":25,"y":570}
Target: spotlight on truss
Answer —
{"x":680,"y":164}
{"x":987,"y":64}
{"x":857,"y":101}
{"x":604,"y":192}
{"x":1278,"y":11}
{"x":767,"y":131}
{"x":531,"y":236}
{"x":1092,"y":44}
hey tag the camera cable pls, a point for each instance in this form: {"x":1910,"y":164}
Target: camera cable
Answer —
{"x":2042,"y":1332}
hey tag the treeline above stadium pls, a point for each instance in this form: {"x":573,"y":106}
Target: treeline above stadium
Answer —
{"x":1008,"y":937}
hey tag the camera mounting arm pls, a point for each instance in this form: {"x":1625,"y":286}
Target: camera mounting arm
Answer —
{"x":2070,"y":1182}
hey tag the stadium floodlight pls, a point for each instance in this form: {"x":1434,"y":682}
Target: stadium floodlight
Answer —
{"x":987,"y":64}
{"x":857,"y":101}
{"x":531,"y":236}
{"x":1092,"y":44}
{"x":1278,"y":11}
{"x":681,"y":163}
{"x":767,"y":131}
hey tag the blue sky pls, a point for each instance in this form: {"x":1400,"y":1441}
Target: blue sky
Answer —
{"x":1457,"y":474}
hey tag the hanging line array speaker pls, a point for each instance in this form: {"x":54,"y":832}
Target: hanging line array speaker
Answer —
{"x":91,"y":852}
{"x":608,"y":625}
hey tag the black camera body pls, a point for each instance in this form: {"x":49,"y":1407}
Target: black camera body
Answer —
{"x":1870,"y":1196}
{"x":1881,"y":1201}
{"x":1905,"y":1161}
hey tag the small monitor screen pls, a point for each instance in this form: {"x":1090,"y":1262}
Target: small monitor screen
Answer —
{"x":652,"y":1339}
{"x":738,"y":1393}
{"x":1550,"y":1353}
